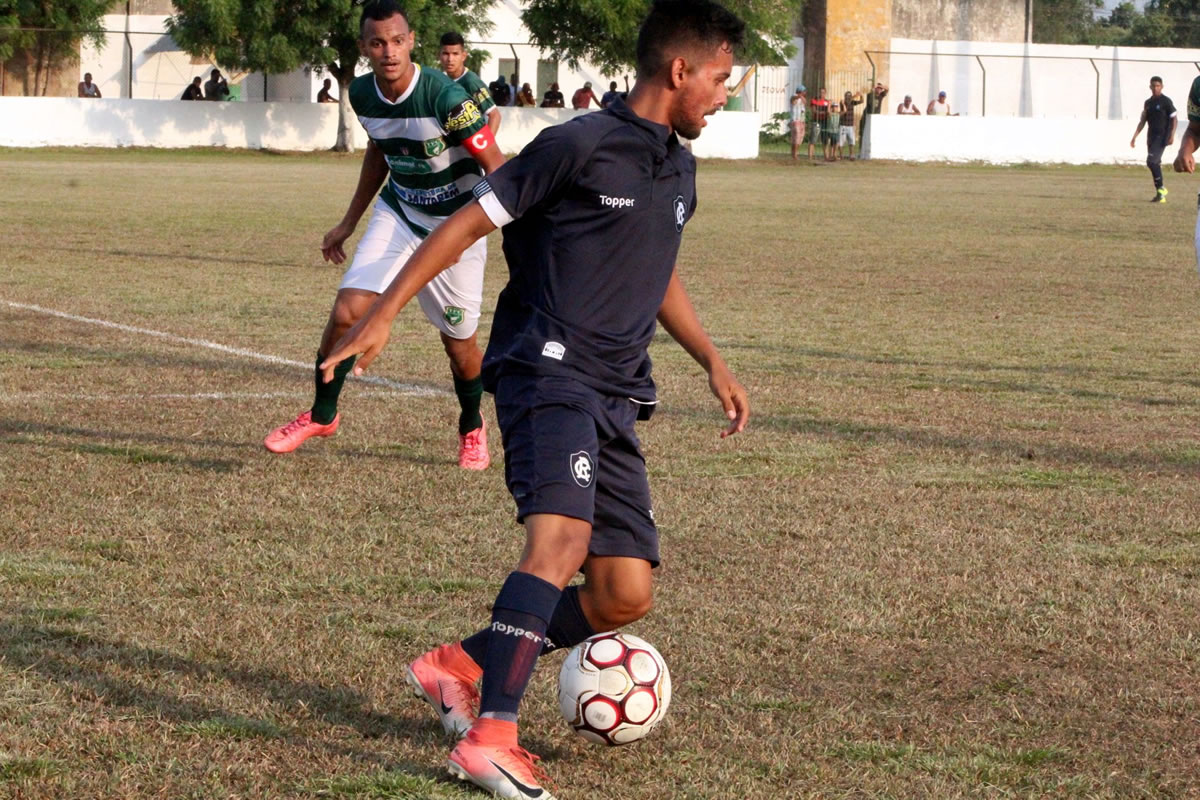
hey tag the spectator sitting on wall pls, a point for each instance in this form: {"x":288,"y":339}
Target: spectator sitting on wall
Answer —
{"x":939,"y":106}
{"x":582,"y":99}
{"x":501,"y":91}
{"x":553,"y":98}
{"x":799,"y":111}
{"x":324,"y":96}
{"x":907,"y":107}
{"x":87,"y":88}
{"x":216,"y":87}
{"x":525,"y":98}
{"x":193,"y":90}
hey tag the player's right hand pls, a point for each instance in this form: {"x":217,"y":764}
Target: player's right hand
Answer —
{"x":366,"y":339}
{"x":331,"y":245}
{"x":1185,"y":162}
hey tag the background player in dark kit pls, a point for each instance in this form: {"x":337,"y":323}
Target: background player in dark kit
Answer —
{"x":1159,"y":113}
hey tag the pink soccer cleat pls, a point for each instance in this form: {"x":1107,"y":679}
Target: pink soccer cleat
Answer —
{"x":473,"y":449}
{"x":503,"y":769}
{"x":445,"y":677}
{"x":287,"y":438}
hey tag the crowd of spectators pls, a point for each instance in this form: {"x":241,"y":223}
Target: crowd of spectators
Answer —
{"x":835,"y":126}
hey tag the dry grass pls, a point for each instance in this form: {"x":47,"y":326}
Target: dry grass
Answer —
{"x":955,"y":556}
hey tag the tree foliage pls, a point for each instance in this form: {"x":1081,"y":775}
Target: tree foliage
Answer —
{"x":1064,"y":21}
{"x":604,"y":32}
{"x":48,"y":33}
{"x":1163,"y":23}
{"x":274,"y":36}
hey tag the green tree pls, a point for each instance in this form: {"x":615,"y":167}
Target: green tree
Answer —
{"x":274,"y":36}
{"x":1183,"y":17}
{"x":1153,"y":29}
{"x":1064,"y":21}
{"x":48,"y":33}
{"x":604,"y":32}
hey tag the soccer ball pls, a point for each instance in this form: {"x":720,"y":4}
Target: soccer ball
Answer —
{"x":613,"y":688}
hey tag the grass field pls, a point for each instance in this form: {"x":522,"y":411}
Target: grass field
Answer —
{"x":956,"y":554}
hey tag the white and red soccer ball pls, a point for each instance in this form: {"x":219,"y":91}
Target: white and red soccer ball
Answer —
{"x":614,"y":688}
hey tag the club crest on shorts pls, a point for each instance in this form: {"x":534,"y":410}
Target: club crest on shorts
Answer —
{"x":680,"y":213}
{"x":583,"y":469}
{"x":454,"y":315}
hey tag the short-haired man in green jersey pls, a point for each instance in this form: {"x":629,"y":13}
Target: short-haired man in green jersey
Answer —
{"x":429,"y":145}
{"x":453,"y":58}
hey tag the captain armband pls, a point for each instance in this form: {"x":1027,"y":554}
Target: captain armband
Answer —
{"x":479,"y":141}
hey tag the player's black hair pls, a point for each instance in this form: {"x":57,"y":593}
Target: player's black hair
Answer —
{"x":379,"y":10}
{"x":1156,"y":78}
{"x":451,"y":38}
{"x":672,"y":24}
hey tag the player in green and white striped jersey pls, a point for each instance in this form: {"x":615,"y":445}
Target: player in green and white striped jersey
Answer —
{"x":429,"y":145}
{"x":453,"y":58}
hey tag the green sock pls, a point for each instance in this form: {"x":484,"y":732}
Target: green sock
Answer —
{"x":324,"y":407}
{"x":470,"y":395}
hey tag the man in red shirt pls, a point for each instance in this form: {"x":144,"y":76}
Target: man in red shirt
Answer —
{"x":820,"y":113}
{"x":583,"y":98}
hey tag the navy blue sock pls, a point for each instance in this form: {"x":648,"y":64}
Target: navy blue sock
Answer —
{"x":568,"y":627}
{"x":519,"y":619}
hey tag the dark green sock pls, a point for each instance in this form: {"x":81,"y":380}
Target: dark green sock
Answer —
{"x":470,"y":395}
{"x":324,"y":407}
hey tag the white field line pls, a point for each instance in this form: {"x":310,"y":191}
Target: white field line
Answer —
{"x":25,"y":397}
{"x":405,"y":388}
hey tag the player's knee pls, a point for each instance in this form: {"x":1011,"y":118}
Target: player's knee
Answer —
{"x":617,"y":609}
{"x":343,"y":316}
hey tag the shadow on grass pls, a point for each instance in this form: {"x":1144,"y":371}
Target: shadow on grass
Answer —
{"x":1064,"y":370}
{"x":117,"y":444}
{"x":207,"y":258}
{"x":126,"y":676}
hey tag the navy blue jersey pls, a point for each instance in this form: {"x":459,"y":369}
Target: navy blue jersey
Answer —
{"x":593,"y":211}
{"x":1158,"y":111}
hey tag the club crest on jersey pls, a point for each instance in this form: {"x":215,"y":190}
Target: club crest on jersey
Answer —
{"x":454,"y":315}
{"x":434,"y":147}
{"x":463,"y":116}
{"x":583,"y":469}
{"x":680,"y":213}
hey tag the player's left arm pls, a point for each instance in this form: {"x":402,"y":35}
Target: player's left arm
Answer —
{"x":678,"y":317}
{"x":1171,"y":131}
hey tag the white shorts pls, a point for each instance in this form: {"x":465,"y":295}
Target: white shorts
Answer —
{"x":450,"y":301}
{"x":846,"y":136}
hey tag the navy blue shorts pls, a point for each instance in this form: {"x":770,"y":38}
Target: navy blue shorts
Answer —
{"x":571,"y":450}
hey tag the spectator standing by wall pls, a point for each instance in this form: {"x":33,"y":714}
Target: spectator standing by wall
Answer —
{"x":908,"y":108}
{"x":583,"y":98}
{"x":797,"y":122}
{"x":874,"y":105}
{"x":324,"y":96}
{"x":553,"y":98}
{"x":846,"y":137}
{"x":939,"y":106}
{"x":830,"y":130}
{"x":820,"y":113}
{"x":193,"y":90}
{"x":216,"y":87}
{"x":87,"y":88}
{"x":501,"y":91}
{"x":1159,"y":113}
{"x":525,"y":98}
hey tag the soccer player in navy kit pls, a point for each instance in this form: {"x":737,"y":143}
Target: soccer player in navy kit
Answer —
{"x":1159,"y":113}
{"x":593,"y":212}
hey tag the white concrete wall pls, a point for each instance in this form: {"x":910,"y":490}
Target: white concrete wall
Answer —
{"x":1005,"y":140}
{"x":1037,"y":80}
{"x":76,"y":122}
